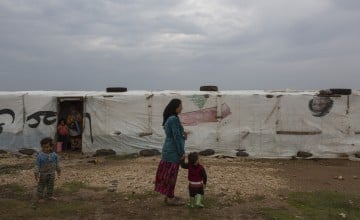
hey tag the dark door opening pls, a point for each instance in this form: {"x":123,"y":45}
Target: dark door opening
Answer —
{"x":70,"y":118}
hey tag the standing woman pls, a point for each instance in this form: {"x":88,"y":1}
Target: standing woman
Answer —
{"x":172,"y":152}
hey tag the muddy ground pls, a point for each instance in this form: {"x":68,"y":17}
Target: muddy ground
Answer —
{"x":237,"y":188}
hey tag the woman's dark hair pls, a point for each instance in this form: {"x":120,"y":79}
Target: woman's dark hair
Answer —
{"x":170,"y":109}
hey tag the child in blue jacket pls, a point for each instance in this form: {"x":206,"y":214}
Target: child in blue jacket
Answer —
{"x":46,"y":164}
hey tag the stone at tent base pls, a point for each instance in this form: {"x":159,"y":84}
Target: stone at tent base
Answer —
{"x":207,"y":152}
{"x":149,"y":152}
{"x":357,"y":155}
{"x":27,"y":151}
{"x":242,"y":154}
{"x":303,"y":154}
{"x":104,"y":152}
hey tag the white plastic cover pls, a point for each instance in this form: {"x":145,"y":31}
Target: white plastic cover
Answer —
{"x":265,"y":124}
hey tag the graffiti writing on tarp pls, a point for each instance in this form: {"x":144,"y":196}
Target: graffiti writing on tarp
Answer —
{"x":6,"y":111}
{"x":49,"y":118}
{"x":87,"y":115}
{"x":36,"y":116}
{"x":47,"y":121}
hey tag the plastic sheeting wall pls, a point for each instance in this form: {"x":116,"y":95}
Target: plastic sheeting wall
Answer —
{"x":26,"y":118}
{"x":264,"y":124}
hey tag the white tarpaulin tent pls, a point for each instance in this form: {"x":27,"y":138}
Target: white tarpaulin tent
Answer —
{"x":265,"y":124}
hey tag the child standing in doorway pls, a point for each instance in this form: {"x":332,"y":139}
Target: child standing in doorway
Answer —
{"x":46,"y":164}
{"x":197,"y":180}
{"x":63,"y":134}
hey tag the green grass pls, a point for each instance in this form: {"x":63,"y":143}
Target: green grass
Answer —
{"x":210,"y":201}
{"x":13,"y":191}
{"x":135,"y":196}
{"x":145,"y":195}
{"x":75,"y":186}
{"x":279,"y":214}
{"x":257,"y":198}
{"x":317,"y":205}
{"x":22,"y":209}
{"x":16,"y":202}
{"x":15,"y":188}
{"x":12,"y":169}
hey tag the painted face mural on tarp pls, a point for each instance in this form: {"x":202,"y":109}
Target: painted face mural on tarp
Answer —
{"x":320,"y":105}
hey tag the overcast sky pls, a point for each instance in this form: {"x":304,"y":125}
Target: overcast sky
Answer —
{"x":167,"y":44}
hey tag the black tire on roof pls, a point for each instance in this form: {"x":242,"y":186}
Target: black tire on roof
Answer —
{"x":209,"y":88}
{"x":116,"y":89}
{"x":341,"y":91}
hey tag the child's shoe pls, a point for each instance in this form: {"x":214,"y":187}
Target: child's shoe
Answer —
{"x":191,"y":204}
{"x":199,"y":199}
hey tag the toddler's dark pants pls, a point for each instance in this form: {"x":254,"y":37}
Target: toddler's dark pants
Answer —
{"x":196,"y":190}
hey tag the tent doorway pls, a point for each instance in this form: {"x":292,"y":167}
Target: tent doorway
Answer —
{"x":70,"y":114}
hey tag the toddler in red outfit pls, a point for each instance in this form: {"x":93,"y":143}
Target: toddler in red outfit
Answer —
{"x":197,"y":179}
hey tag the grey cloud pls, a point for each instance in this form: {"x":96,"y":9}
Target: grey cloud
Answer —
{"x":82,"y":45}
{"x":347,"y":5}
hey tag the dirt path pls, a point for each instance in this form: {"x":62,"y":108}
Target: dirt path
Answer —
{"x":235,"y":188}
